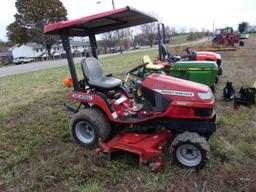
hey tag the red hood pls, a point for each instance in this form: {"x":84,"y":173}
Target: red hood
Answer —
{"x":207,"y":56}
{"x":207,"y":53}
{"x":175,"y":88}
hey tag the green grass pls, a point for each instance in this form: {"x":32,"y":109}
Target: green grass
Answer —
{"x":21,"y":89}
{"x":8,"y":65}
{"x":252,"y":34}
{"x":181,"y":38}
{"x":37,"y":152}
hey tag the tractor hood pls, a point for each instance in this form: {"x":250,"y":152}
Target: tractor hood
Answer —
{"x":194,"y":65}
{"x":179,"y":90}
{"x":208,"y":54}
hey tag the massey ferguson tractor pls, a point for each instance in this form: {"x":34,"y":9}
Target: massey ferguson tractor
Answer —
{"x":107,"y":117}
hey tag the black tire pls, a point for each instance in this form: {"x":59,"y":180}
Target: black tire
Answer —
{"x":213,"y":89}
{"x":220,"y":71}
{"x":88,"y":125}
{"x":241,"y":43}
{"x":216,"y":80}
{"x":194,"y":144}
{"x":236,"y":105}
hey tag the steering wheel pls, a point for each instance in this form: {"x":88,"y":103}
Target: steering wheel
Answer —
{"x":187,"y":50}
{"x":138,"y":71}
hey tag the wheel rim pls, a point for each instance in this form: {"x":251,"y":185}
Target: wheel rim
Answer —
{"x":85,"y":131}
{"x":189,"y":155}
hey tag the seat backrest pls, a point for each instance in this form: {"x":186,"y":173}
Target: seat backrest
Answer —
{"x":91,"y":68}
{"x":146,"y":60}
{"x":150,"y":65}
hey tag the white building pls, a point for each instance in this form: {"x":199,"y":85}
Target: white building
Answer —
{"x":37,"y":51}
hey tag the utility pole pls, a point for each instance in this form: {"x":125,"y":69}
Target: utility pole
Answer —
{"x":113,"y":4}
{"x":118,"y":35}
{"x":213,"y":26}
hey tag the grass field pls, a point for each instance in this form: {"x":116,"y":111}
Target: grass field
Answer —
{"x":37,"y":152}
{"x":181,"y":38}
{"x":252,"y":34}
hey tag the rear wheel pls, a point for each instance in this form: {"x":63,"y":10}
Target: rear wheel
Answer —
{"x":241,"y":43}
{"x":216,"y":80}
{"x":190,"y":150}
{"x":88,"y":126}
{"x":213,"y":89}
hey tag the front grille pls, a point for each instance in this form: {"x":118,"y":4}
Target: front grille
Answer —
{"x":203,"y":112}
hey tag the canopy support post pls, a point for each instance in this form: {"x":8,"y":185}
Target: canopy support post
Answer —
{"x":93,"y":44}
{"x":72,"y":69}
{"x":161,"y":38}
{"x":159,"y":41}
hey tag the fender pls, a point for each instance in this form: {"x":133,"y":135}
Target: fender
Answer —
{"x":92,"y":99}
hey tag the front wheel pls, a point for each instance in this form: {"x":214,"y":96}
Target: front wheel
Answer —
{"x":190,"y":150}
{"x":88,"y":126}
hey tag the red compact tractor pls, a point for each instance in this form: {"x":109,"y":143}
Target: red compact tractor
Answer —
{"x":226,"y":38}
{"x":107,"y":117}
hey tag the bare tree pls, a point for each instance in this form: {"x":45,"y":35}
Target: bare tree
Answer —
{"x":182,"y":29}
{"x":168,"y":33}
{"x":125,"y":36}
{"x":108,"y":41}
{"x":192,"y":30}
{"x":173,"y":30}
{"x":150,"y":31}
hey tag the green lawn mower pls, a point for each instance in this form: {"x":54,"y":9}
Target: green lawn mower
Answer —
{"x":205,"y":72}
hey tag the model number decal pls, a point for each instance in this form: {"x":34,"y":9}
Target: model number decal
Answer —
{"x":85,"y":97}
{"x":175,"y":92}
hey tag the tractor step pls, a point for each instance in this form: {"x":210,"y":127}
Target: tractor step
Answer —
{"x":72,"y":108}
{"x":147,"y":146}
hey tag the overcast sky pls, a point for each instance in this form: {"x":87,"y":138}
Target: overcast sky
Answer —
{"x":197,"y":14}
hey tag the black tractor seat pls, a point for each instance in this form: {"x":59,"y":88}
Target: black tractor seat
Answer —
{"x":92,"y":71}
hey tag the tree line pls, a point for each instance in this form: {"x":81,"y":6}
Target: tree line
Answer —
{"x":33,"y":15}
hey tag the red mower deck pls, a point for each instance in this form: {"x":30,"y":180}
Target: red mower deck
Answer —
{"x":147,"y":146}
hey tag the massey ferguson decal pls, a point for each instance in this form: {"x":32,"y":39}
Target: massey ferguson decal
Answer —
{"x":175,"y":92}
{"x":79,"y":96}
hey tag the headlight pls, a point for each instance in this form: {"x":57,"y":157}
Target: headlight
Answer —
{"x":206,"y":96}
{"x":218,"y":56}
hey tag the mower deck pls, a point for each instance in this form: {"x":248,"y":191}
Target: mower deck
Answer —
{"x":147,"y":146}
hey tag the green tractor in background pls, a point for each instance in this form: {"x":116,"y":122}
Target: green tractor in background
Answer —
{"x":205,"y":72}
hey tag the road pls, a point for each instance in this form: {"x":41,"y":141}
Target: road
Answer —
{"x":35,"y":66}
{"x":18,"y":69}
